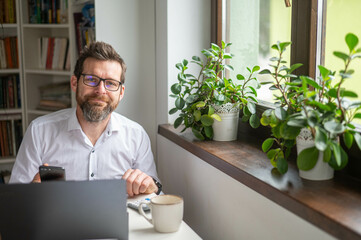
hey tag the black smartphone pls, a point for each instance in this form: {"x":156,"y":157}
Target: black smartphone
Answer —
{"x":51,"y":173}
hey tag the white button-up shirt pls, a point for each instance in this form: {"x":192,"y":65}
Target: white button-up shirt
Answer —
{"x":58,"y":140}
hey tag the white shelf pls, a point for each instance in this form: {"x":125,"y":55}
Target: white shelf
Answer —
{"x":10,"y":25}
{"x":7,"y":160}
{"x":45,"y":25}
{"x":49,"y":72}
{"x":10,"y":111}
{"x":9,"y":70}
{"x":38,"y":112}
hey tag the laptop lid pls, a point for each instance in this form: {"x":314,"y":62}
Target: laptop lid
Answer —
{"x":64,"y":210}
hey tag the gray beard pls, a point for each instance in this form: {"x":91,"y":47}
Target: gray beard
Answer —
{"x":93,"y":114}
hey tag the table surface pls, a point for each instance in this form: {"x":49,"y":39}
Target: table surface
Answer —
{"x":140,"y":228}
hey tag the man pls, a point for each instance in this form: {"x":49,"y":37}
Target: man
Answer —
{"x":91,"y":141}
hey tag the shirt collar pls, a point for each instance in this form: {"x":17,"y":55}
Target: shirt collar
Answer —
{"x":74,"y":124}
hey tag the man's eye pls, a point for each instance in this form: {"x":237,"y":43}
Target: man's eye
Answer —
{"x":91,"y":79}
{"x":110,"y":83}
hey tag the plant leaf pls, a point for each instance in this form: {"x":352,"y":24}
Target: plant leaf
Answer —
{"x":348,"y":139}
{"x":198,"y":134}
{"x":178,"y":122}
{"x":179,"y":103}
{"x":351,"y":41}
{"x":216,"y":116}
{"x":208,"y":131}
{"x":320,"y":139}
{"x":251,"y":107}
{"x":267,"y":144}
{"x":176,"y":88}
{"x":357,"y":140}
{"x":206,"y":120}
{"x":254,"y":121}
{"x":172,"y":111}
{"x":280,"y":113}
{"x":282,"y":165}
{"x":307,"y":158}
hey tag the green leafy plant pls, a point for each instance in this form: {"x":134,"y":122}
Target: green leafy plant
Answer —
{"x":329,"y":111}
{"x":324,"y":107}
{"x":288,"y":101}
{"x":196,"y":96}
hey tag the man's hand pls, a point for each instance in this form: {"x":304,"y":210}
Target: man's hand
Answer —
{"x":138,"y":182}
{"x":36,"y":178}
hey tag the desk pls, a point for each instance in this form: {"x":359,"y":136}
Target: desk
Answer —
{"x":139,"y":228}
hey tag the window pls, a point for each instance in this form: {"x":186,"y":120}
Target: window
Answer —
{"x":252,"y":27}
{"x":316,"y":28}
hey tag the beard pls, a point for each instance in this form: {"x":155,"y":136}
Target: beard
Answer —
{"x":94,"y":111}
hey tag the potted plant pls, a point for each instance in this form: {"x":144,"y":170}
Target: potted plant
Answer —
{"x":324,"y":113}
{"x":198,"y":97}
{"x":288,"y":101}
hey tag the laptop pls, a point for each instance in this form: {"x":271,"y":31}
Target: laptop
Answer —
{"x":64,"y":210}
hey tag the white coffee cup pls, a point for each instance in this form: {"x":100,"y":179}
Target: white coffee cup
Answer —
{"x":166,"y":211}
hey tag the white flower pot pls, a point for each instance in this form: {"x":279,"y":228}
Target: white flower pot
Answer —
{"x":226,"y":130}
{"x":322,"y":170}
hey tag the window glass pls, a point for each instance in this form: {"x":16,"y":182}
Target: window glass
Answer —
{"x":252,"y":27}
{"x":343,"y":17}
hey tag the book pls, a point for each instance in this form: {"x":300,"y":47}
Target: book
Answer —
{"x":62,"y":52}
{"x":18,"y":133}
{"x":3,"y":63}
{"x":10,"y":86}
{"x":8,"y":52}
{"x":56,"y":52}
{"x":50,"y":53}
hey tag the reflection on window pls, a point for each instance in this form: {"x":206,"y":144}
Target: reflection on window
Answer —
{"x":343,"y":17}
{"x":252,"y":27}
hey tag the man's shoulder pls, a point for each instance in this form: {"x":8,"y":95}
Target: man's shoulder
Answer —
{"x":123,"y":122}
{"x":53,"y":118}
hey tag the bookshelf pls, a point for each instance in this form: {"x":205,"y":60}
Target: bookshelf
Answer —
{"x":33,"y":23}
{"x":37,"y":71}
{"x":11,"y":84}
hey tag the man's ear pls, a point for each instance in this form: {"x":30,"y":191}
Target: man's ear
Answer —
{"x":73,"y":83}
{"x":122,"y":88}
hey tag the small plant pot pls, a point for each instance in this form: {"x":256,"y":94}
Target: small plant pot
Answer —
{"x":322,"y":170}
{"x":226,"y":130}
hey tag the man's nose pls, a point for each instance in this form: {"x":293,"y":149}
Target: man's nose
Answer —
{"x":101,"y":87}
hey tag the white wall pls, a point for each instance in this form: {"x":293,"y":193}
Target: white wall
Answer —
{"x":219,"y":207}
{"x":129,"y":26}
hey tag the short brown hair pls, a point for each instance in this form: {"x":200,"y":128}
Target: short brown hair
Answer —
{"x":100,"y":51}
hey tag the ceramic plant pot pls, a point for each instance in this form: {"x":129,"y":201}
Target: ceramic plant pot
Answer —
{"x":226,"y":130}
{"x":322,"y":170}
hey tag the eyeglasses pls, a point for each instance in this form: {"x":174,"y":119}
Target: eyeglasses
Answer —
{"x":94,"y":81}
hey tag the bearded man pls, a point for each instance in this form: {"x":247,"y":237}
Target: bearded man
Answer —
{"x":91,"y":141}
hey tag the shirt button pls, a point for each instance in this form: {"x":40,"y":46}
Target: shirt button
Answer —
{"x":93,"y":151}
{"x":92,"y":175}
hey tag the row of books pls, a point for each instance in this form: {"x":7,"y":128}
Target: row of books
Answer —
{"x":10,"y":92}
{"x":9,"y":57}
{"x":55,"y":96}
{"x":84,"y":31}
{"x":54,"y":53}
{"x":7,"y":11}
{"x":48,"y":11}
{"x":5,"y":176}
{"x":9,"y":142}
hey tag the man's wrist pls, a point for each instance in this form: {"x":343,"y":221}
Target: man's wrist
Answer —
{"x":159,"y":185}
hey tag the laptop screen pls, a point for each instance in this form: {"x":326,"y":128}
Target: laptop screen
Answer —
{"x":64,"y":210}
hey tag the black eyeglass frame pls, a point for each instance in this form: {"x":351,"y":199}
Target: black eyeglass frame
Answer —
{"x":100,"y":80}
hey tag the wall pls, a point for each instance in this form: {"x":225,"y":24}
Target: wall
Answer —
{"x":129,"y":27}
{"x":219,"y":207}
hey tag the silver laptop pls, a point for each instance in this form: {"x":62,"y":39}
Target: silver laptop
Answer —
{"x":64,"y":210}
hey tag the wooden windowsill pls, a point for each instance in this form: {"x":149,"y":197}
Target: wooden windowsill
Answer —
{"x":333,"y":205}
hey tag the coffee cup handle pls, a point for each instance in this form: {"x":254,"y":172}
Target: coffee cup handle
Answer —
{"x":141,"y":211}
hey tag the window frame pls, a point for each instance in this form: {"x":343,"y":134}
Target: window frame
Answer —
{"x":307,"y":16}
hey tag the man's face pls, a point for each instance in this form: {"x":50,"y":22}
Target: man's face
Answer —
{"x":97,"y":103}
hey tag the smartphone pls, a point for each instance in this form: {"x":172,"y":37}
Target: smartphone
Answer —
{"x":51,"y":173}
